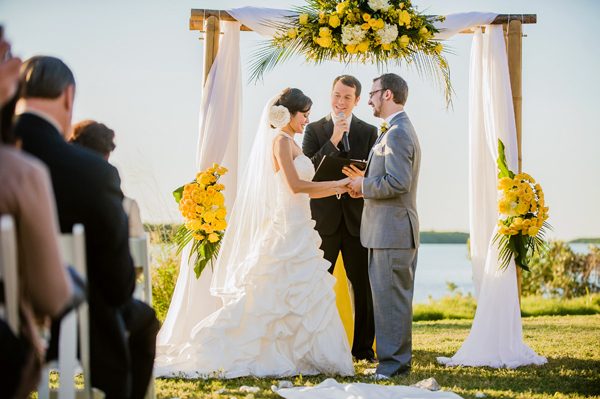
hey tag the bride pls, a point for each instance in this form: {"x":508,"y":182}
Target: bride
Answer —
{"x":279,"y":316}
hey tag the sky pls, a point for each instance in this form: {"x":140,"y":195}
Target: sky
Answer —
{"x":139,"y":70}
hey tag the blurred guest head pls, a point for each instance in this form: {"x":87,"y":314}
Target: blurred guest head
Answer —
{"x":48,"y":86}
{"x":94,"y":136}
{"x":9,"y":80}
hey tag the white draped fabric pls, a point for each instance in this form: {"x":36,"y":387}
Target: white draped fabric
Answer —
{"x":331,"y":389}
{"x":220,"y":113}
{"x":496,"y":338}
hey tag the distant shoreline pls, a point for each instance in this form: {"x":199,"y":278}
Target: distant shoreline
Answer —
{"x":434,"y":237}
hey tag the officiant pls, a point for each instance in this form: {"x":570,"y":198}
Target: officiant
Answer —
{"x":342,"y":134}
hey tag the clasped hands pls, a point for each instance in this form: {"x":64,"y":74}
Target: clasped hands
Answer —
{"x":353,"y":184}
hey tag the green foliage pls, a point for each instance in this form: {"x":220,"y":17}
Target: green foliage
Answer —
{"x":533,"y":306}
{"x":453,"y":306}
{"x":561,"y":273}
{"x":503,"y":170}
{"x":434,"y":237}
{"x":165,"y":270}
{"x":585,"y":241}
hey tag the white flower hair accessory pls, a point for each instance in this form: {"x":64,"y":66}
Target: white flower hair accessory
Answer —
{"x":279,"y":116}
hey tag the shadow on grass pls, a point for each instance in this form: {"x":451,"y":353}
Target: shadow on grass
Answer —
{"x":562,"y":375}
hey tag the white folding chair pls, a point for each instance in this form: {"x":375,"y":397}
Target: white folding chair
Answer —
{"x":139,"y":248}
{"x":9,"y":271}
{"x":73,"y":252}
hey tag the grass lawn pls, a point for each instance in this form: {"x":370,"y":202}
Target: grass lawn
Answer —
{"x":571,"y":344}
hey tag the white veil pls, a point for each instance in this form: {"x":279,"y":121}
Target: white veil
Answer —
{"x":256,"y":202}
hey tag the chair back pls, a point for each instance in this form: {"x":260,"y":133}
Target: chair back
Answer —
{"x":139,"y":248}
{"x":9,"y":271}
{"x":74,"y":329}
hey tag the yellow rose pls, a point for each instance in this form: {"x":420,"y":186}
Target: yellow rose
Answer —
{"x":528,"y":197}
{"x":362,"y":46}
{"x":292,"y":33}
{"x":351,"y":48}
{"x":512,"y":232}
{"x":211,"y":191}
{"x":541,"y":202}
{"x":504,"y":230}
{"x":222,"y":170}
{"x":322,"y":15}
{"x":386,"y":46}
{"x":522,"y":208}
{"x":404,"y":18}
{"x":188,"y":187}
{"x":188,"y":225}
{"x":215,"y":165}
{"x":511,"y":196}
{"x":533,"y":231}
{"x":503,"y":207}
{"x":221,"y":225}
{"x":340,"y":7}
{"x":540,"y":223}
{"x":527,"y":223}
{"x":519,"y":176}
{"x":211,"y":170}
{"x":325,"y":42}
{"x":196,"y":224}
{"x":439,"y":48}
{"x":208,"y":216}
{"x":207,"y":228}
{"x":365,"y":26}
{"x":198,"y":237}
{"x":505,"y":182}
{"x":366,"y":17}
{"x":423,"y":31}
{"x":538,"y":187}
{"x":334,"y":21}
{"x":380,"y":24}
{"x":372,"y":23}
{"x":401,"y":6}
{"x":525,"y":231}
{"x":404,"y":40}
{"x":520,"y":193}
{"x":218,"y":199}
{"x":212,"y":237}
{"x":205,"y":179}
{"x":303,"y":19}
{"x":220,"y":213}
{"x":207,"y":202}
{"x":515,"y":227}
{"x":324,"y":32}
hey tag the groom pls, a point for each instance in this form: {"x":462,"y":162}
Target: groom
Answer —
{"x":390,"y":224}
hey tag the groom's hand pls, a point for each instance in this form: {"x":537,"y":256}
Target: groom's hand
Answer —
{"x":355,"y":187}
{"x":341,"y":126}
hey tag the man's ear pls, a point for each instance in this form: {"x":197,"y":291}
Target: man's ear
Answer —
{"x":357,"y":100}
{"x":69,"y":97}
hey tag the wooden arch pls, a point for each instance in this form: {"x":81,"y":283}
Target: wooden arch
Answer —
{"x":513,"y":35}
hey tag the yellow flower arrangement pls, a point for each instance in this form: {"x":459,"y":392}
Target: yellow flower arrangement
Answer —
{"x":201,"y":205}
{"x":521,"y":227}
{"x":375,"y":31}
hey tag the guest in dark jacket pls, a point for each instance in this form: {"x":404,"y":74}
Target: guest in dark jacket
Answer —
{"x":87,"y":190}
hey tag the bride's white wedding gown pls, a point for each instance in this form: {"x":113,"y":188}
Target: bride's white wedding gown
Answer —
{"x":286,"y":323}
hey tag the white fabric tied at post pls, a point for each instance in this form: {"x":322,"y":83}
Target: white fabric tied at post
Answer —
{"x":220,"y":113}
{"x":496,"y":337}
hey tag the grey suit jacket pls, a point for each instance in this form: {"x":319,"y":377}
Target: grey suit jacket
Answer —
{"x":390,"y":218}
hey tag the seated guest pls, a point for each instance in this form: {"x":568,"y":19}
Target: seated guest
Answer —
{"x":97,"y":137}
{"x":44,"y":286}
{"x":87,"y":190}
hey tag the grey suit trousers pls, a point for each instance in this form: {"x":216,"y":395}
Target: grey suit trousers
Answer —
{"x":392,"y":275}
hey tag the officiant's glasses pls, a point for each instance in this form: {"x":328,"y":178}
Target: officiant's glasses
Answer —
{"x":371,"y":94}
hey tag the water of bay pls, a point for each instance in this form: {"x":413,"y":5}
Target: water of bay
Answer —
{"x":439,"y":263}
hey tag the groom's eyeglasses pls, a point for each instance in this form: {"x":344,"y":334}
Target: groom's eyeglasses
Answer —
{"x":371,"y":94}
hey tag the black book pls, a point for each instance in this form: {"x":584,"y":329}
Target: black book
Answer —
{"x":330,"y":168}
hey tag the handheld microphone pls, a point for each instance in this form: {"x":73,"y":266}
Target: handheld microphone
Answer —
{"x":345,"y":141}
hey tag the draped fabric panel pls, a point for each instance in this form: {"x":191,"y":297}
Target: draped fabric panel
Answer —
{"x":496,"y":337}
{"x":218,"y":139}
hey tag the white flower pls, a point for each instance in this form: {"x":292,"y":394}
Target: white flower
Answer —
{"x":279,"y":116}
{"x":377,"y":5}
{"x":353,"y":34}
{"x":388,"y":33}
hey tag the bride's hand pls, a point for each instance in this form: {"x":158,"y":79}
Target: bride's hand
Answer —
{"x":352,"y":171}
{"x":344,"y":182}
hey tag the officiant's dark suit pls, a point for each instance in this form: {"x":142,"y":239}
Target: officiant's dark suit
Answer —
{"x":338,"y":221}
{"x":87,"y":190}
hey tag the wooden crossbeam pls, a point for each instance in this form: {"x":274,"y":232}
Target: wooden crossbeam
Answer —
{"x":199,"y":15}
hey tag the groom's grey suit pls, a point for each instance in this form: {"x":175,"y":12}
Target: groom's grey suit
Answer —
{"x":390,"y":230}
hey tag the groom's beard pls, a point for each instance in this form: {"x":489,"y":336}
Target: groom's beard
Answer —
{"x":376,"y":112}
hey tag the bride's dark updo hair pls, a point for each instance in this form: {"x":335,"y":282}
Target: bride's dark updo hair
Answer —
{"x":294,"y":100}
